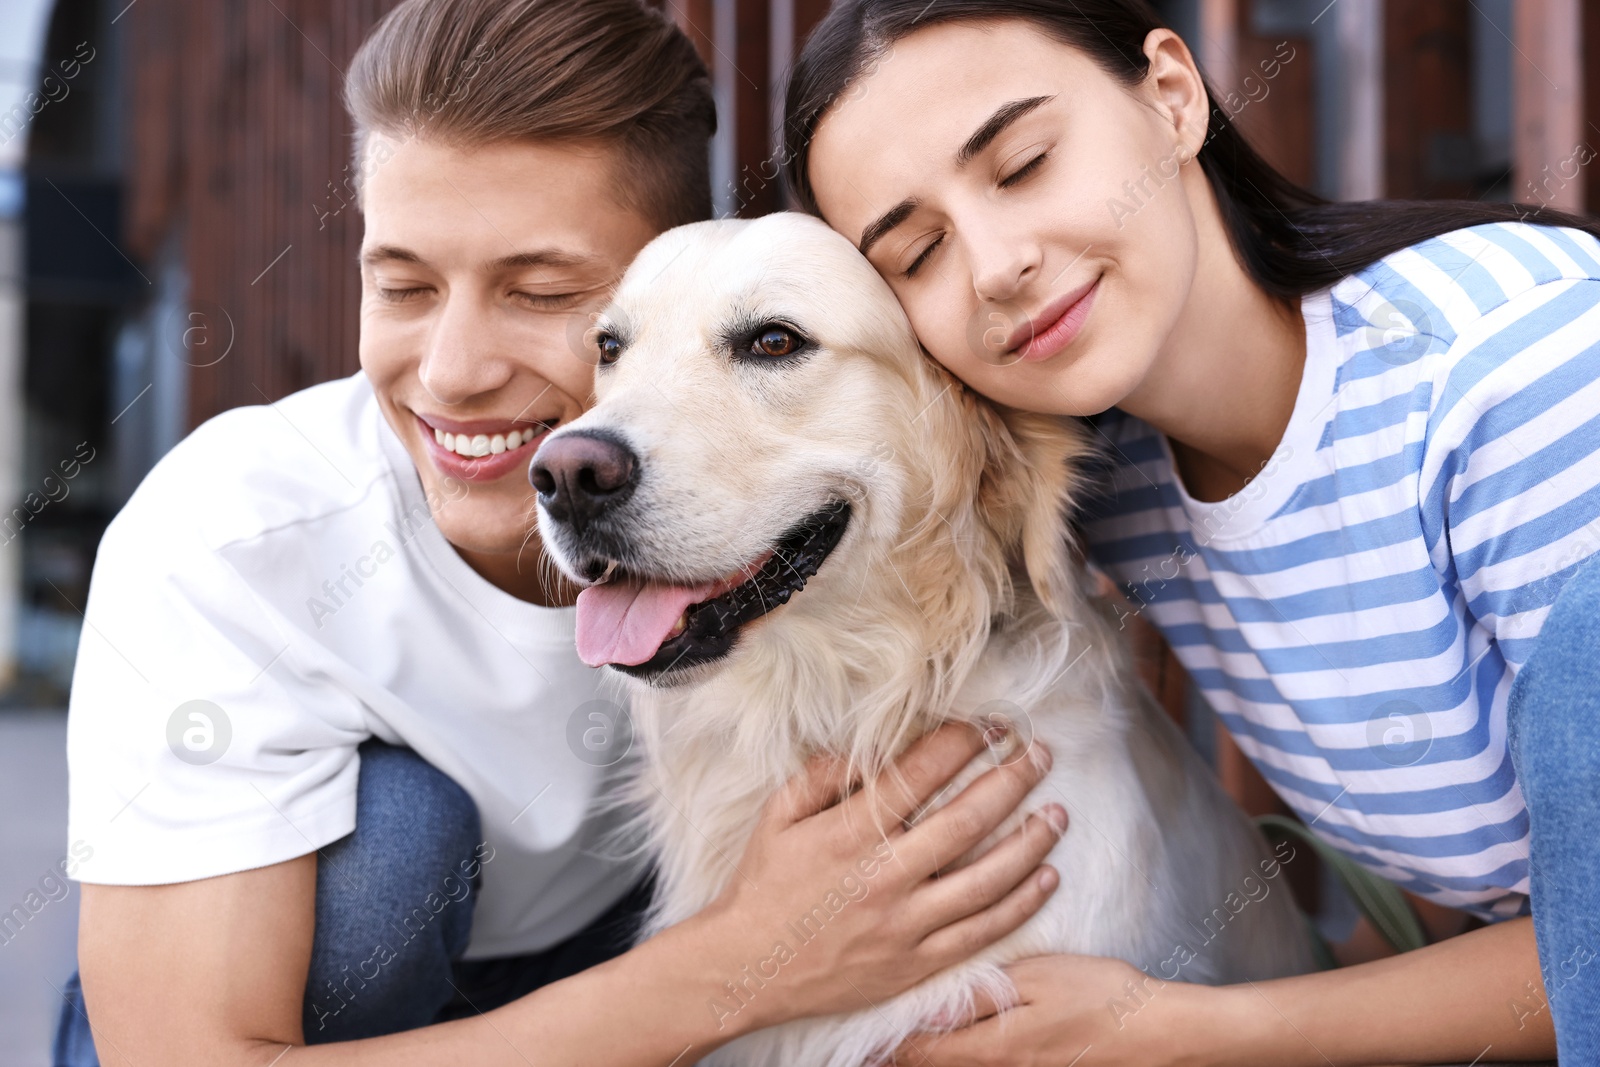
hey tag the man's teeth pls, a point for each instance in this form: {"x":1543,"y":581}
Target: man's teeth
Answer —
{"x":472,"y":445}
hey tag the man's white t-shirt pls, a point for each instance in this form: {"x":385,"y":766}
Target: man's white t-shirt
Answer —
{"x":275,"y":593}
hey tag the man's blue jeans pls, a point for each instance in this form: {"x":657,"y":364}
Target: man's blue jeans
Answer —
{"x":1554,"y":718}
{"x":393,"y":913}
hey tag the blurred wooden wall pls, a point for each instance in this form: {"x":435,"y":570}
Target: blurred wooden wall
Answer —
{"x":239,"y":141}
{"x":239,"y":145}
{"x":240,"y":157}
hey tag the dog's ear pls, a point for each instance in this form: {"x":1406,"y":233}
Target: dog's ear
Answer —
{"x":1032,"y":474}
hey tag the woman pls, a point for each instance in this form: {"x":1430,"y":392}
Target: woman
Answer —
{"x":1354,"y":462}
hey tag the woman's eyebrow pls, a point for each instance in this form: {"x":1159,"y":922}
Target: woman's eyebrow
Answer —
{"x":886,"y":222}
{"x":995,"y":125}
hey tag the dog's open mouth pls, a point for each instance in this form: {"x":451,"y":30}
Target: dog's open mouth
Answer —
{"x":648,"y":627}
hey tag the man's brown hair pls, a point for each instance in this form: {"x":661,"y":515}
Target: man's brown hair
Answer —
{"x":476,"y":72}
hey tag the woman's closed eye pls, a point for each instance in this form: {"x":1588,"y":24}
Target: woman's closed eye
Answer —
{"x":922,"y":258}
{"x":1023,"y":171}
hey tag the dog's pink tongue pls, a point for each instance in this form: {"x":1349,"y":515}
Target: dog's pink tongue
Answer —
{"x":625,"y":622}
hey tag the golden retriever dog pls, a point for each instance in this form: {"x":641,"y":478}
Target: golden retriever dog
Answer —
{"x":798,"y":534}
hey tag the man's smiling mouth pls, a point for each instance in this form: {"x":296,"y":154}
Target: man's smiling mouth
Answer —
{"x":483,"y":444}
{"x":483,"y":450}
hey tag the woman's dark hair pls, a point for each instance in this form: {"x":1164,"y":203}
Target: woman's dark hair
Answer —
{"x":1290,"y":241}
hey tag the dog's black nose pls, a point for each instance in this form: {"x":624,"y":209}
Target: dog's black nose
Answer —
{"x":580,"y":474}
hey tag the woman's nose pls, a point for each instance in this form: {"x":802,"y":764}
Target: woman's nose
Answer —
{"x":1000,"y":268}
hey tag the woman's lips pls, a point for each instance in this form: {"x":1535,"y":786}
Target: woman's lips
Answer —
{"x":1055,"y":328}
{"x":486,"y":468}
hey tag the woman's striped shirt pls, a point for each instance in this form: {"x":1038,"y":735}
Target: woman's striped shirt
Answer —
{"x":1357,"y":612}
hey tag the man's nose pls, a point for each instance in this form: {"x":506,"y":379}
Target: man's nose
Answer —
{"x":580,"y":474}
{"x":465,"y":357}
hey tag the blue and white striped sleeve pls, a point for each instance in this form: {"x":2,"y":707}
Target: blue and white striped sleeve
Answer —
{"x":1510,"y":479}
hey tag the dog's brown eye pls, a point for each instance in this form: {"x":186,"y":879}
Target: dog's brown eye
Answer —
{"x":776,"y":342}
{"x":610,"y":349}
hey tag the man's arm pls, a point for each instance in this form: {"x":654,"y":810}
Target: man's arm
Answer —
{"x":214,"y":971}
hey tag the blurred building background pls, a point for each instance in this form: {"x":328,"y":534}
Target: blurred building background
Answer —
{"x":177,"y":238}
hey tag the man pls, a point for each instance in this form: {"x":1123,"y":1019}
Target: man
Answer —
{"x":337,"y":772}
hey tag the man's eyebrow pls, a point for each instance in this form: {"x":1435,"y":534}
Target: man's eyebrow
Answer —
{"x":1003,"y":116}
{"x":389,"y":253}
{"x":542,"y":257}
{"x":886,"y":222}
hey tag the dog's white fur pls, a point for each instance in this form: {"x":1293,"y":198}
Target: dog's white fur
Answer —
{"x":953,"y":587}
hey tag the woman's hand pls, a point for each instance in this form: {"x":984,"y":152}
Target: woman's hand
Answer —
{"x":1475,"y":997}
{"x":1065,"y":1005}
{"x":838,"y":905}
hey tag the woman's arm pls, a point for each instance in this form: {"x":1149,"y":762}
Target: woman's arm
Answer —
{"x":1474,"y":997}
{"x":214,"y":971}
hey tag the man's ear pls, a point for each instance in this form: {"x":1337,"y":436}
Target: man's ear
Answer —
{"x":1032,"y":477}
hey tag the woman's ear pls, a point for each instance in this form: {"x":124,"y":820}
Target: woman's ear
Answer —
{"x":1032,"y":474}
{"x":1178,"y":91}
